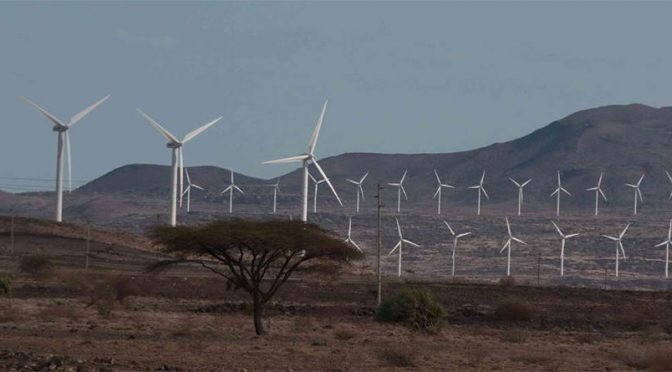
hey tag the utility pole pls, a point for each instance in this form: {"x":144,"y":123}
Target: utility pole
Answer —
{"x":11,"y":235}
{"x":88,"y":244}
{"x":379,"y":245}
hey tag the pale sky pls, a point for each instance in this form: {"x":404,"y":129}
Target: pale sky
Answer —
{"x":401,"y":77}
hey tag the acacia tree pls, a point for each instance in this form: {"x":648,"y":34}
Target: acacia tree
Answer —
{"x":255,"y":256}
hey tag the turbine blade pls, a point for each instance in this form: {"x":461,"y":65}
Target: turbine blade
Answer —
{"x":44,"y":112}
{"x":437,"y":192}
{"x":526,"y":182}
{"x":669,"y":177}
{"x":514,"y":181}
{"x":518,"y":240}
{"x":403,"y":190}
{"x":482,"y":178}
{"x":603,"y":196}
{"x":557,"y":228}
{"x":363,"y":178}
{"x":565,"y":191}
{"x":398,"y":228}
{"x":316,"y":131}
{"x":640,"y":180}
{"x":352,"y":182}
{"x":639,"y":193}
{"x":485,"y":193}
{"x":555,"y":192}
{"x":169,"y":136}
{"x":196,"y":187}
{"x":191,"y":135}
{"x":463,"y":235}
{"x":508,"y":226}
{"x":452,"y":232}
{"x":662,"y":244}
{"x":186,"y":174}
{"x":395,"y":248}
{"x":239,"y":190}
{"x":624,"y":230}
{"x":86,"y":111}
{"x":572,"y":235}
{"x":437,"y":177}
{"x":620,"y":244}
{"x":225,"y":190}
{"x":292,"y":159}
{"x":410,"y":242}
{"x":324,"y":175}
{"x":506,"y":245}
{"x":611,"y":237}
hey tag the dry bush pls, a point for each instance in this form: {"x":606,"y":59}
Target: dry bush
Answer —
{"x":76,"y":281}
{"x":58,"y":310}
{"x":514,"y":336}
{"x":399,"y":355}
{"x":344,"y":334}
{"x":659,"y":359}
{"x":108,"y":293}
{"x":514,"y":310}
{"x":5,"y":286}
{"x":416,"y":307}
{"x":37,"y":266}
{"x":507,"y":281}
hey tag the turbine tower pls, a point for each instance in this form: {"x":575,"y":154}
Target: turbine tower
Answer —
{"x":638,"y":192}
{"x":619,"y":245}
{"x":187,"y":190}
{"x":276,"y":190}
{"x":177,"y":164}
{"x":598,"y":193}
{"x":520,"y":192}
{"x":306,"y":159}
{"x":667,"y":244}
{"x":399,"y":246}
{"x":557,"y":192}
{"x":359,"y":189}
{"x":438,"y":190}
{"x":456,"y":237}
{"x":349,"y":237}
{"x":400,"y":189}
{"x":480,"y":189}
{"x":62,"y":128}
{"x":562,"y":247}
{"x":508,"y":245}
{"x":232,"y":187}
{"x":316,"y":189}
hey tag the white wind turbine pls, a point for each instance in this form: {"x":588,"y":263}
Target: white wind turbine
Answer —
{"x":667,"y":244}
{"x":276,"y":190}
{"x":306,"y":159}
{"x":438,"y":190}
{"x":62,"y":128}
{"x":187,"y":190}
{"x":316,"y":189}
{"x":598,"y":193}
{"x":177,"y":163}
{"x":349,"y":237}
{"x":456,"y":237}
{"x":520,"y":192}
{"x":638,"y":192}
{"x":359,"y":190}
{"x":557,"y":192}
{"x":400,"y":189}
{"x":232,"y":187}
{"x":480,"y":189}
{"x":508,"y":245}
{"x":669,"y":178}
{"x":399,"y":246}
{"x":619,"y":245}
{"x":562,"y":247}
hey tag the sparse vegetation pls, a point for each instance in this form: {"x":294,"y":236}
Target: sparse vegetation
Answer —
{"x":514,"y":336}
{"x":659,"y":359}
{"x":399,"y":355}
{"x":507,"y":281}
{"x":5,"y":286}
{"x":108,"y":293}
{"x":514,"y":310}
{"x":416,"y":307}
{"x":256,"y":256}
{"x":344,"y":335}
{"x":37,"y":266}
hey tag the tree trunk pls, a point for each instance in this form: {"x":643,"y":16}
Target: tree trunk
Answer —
{"x":258,"y":317}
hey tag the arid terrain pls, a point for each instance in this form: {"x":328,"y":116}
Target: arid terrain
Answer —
{"x":185,"y":319}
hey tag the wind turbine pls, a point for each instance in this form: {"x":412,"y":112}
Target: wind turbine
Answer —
{"x":562,"y":248}
{"x":456,"y":237}
{"x":598,"y":193}
{"x":349,"y":238}
{"x":359,"y":190}
{"x":638,"y":192}
{"x":480,"y":189}
{"x":520,"y":192}
{"x":508,"y":245}
{"x":438,"y":190}
{"x":399,"y":246}
{"x":177,"y":164}
{"x":400,"y":188}
{"x":557,"y":192}
{"x":667,"y":244}
{"x":276,"y":190}
{"x":232,"y":187}
{"x":317,"y":188}
{"x":619,"y":245}
{"x":62,"y":128}
{"x":306,"y":159}
{"x":187,"y":190}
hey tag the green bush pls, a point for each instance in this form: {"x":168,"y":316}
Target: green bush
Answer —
{"x":5,"y":286}
{"x":416,"y":307}
{"x":37,"y":266}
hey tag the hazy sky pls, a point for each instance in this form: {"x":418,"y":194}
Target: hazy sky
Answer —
{"x":401,"y":77}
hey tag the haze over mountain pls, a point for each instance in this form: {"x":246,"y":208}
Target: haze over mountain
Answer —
{"x":624,"y":141}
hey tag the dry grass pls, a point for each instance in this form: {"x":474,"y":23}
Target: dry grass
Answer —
{"x":514,"y":310}
{"x":344,"y":334}
{"x":399,"y":355}
{"x":515,"y":336}
{"x":58,"y":310}
{"x":9,"y":313}
{"x":658,"y":359}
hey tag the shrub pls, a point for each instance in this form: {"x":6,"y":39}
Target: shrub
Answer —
{"x":413,"y":306}
{"x":507,"y":281}
{"x":514,"y":310}
{"x":344,"y":335}
{"x":655,"y":360}
{"x":399,"y":355}
{"x":106,"y":294}
{"x":5,"y":286}
{"x":37,"y":266}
